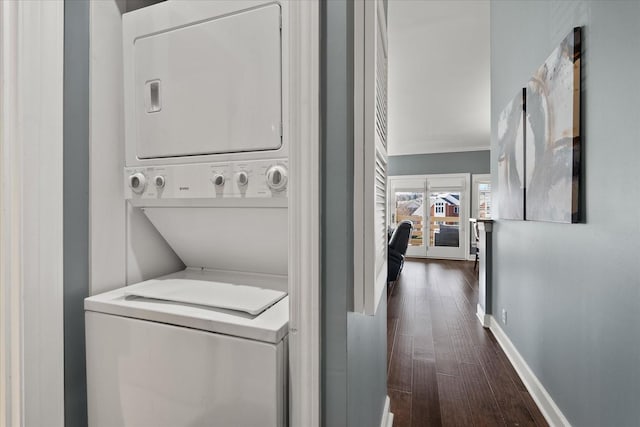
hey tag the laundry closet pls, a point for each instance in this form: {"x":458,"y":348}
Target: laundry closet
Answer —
{"x":188,"y":318}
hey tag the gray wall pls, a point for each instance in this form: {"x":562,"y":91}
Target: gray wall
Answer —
{"x":76,"y":207}
{"x":366,"y":366}
{"x":477,"y":162}
{"x":573,"y":291}
{"x":354,"y":346}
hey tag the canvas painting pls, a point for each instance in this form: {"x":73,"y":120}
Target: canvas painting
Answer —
{"x":511,"y":159}
{"x":553,"y":136}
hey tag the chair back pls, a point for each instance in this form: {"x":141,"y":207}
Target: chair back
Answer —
{"x":400,"y":238}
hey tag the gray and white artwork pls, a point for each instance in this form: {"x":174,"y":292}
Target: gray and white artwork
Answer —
{"x":553,"y":136}
{"x":511,"y":159}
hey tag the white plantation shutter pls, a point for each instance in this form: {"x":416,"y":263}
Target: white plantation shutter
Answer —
{"x":370,"y":155}
{"x":380,"y":215}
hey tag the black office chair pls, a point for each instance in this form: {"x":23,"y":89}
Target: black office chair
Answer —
{"x":397,"y":249}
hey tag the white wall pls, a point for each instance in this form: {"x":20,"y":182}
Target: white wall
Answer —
{"x":125,"y":247}
{"x":107,"y":207}
{"x":439,"y":96}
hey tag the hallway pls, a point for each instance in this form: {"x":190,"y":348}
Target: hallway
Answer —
{"x":443,"y":367}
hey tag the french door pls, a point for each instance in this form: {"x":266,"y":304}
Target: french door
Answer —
{"x":438,"y":207}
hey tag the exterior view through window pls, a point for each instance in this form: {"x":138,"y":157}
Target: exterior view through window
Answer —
{"x":409,"y":207}
{"x":484,"y":200}
{"x":444,"y":215}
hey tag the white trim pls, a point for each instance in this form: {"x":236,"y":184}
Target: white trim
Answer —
{"x":387,"y":415}
{"x":427,"y":176}
{"x":304,"y":215}
{"x":369,"y":252}
{"x":476,"y":179}
{"x":547,"y":406}
{"x":442,"y":150}
{"x":31,"y":150}
{"x":485,"y":319}
{"x":359,"y":174}
{"x":10,"y":161}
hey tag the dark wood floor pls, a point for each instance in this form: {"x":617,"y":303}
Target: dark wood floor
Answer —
{"x":444,"y":369}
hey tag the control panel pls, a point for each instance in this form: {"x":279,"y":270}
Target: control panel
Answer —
{"x":257,"y":179}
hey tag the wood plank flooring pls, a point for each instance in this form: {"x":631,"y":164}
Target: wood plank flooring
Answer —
{"x":444,"y":369}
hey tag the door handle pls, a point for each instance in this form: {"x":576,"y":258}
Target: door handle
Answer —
{"x":152,"y":96}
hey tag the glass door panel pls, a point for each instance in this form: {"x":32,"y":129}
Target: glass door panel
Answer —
{"x":445,"y":219}
{"x":409,"y":205}
{"x":445,"y":227}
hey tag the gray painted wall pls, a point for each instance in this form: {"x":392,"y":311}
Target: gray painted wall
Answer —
{"x":573,"y":291}
{"x":76,"y":207}
{"x":367,"y":366}
{"x":337,"y":194}
{"x":354,"y":346}
{"x":477,"y":162}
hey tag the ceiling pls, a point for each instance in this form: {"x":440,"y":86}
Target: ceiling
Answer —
{"x":439,"y":76}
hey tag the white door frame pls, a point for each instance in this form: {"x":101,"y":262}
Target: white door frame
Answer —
{"x":464,"y":219}
{"x":304,"y":215}
{"x":31,"y":281}
{"x":31,"y":186}
{"x":475,"y":180}
{"x":460,"y":252}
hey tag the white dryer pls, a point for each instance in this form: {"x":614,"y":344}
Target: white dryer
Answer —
{"x":206,"y":157}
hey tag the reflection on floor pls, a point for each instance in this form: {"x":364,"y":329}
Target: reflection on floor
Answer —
{"x":443,"y":367}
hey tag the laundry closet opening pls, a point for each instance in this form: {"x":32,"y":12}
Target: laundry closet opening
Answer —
{"x":190,"y":142}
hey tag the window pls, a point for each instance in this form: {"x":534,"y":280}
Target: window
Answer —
{"x":456,"y":210}
{"x":484,"y":201}
{"x":439,"y":207}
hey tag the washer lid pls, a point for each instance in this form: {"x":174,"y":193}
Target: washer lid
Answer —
{"x":271,"y":325}
{"x":248,"y":299}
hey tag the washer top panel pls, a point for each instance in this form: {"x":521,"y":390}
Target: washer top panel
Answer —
{"x":269,"y":326}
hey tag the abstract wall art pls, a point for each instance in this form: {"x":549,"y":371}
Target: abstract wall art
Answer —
{"x":552,"y":135}
{"x":511,"y":167}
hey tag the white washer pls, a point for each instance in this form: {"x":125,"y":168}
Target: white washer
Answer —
{"x":161,"y":363}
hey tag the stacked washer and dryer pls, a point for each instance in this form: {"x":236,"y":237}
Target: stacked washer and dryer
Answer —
{"x":206,"y":150}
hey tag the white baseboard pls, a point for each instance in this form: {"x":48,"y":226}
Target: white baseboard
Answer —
{"x":387,"y":416}
{"x":547,"y":406}
{"x":484,"y":318}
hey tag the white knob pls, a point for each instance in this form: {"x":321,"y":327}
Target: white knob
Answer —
{"x":277,"y":177}
{"x":159,"y":181}
{"x":242,"y":178}
{"x":138,"y":182}
{"x":218,"y":180}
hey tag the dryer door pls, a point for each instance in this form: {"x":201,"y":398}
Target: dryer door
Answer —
{"x":210,"y":87}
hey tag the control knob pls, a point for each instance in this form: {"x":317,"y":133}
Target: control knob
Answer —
{"x":159,"y":181}
{"x":218,"y":180}
{"x":138,"y":182}
{"x":277,"y":177}
{"x":242,"y":178}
